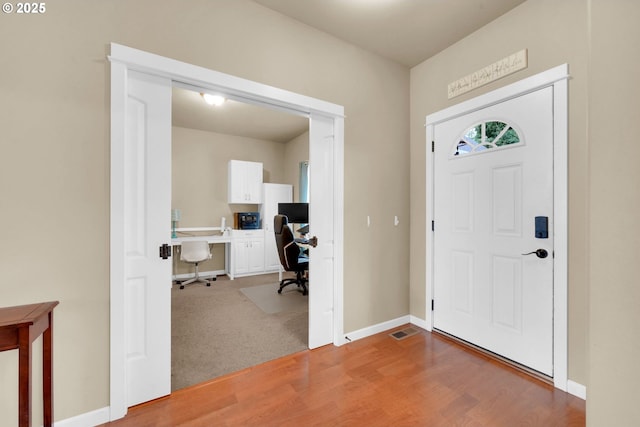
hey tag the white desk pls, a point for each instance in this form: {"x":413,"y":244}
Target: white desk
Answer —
{"x":213,"y":240}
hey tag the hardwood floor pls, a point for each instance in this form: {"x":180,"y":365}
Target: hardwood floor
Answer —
{"x":422,"y":380}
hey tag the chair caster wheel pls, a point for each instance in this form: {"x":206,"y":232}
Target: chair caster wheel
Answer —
{"x":181,"y":286}
{"x":208,"y":284}
{"x":279,"y":291}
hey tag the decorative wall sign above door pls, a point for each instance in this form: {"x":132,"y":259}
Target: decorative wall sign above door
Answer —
{"x":509,"y":65}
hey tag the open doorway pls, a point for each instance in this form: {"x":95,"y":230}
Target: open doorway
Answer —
{"x":233,"y":324}
{"x":140,"y":137}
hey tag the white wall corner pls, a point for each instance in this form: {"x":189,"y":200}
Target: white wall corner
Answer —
{"x":93,"y":418}
{"x":577,"y":389}
{"x":418,"y":322}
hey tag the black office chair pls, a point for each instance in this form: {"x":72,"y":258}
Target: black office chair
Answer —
{"x":290,"y":254}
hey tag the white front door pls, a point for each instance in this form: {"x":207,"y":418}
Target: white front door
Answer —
{"x":321,"y":225}
{"x":147,"y":169}
{"x":493,"y":174}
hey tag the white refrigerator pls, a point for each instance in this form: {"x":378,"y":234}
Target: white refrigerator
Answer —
{"x":272,"y":195}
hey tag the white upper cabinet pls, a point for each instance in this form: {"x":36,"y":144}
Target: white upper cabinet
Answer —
{"x":245,"y":182}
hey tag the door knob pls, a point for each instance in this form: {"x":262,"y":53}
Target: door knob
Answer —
{"x":540,"y":253}
{"x":313,"y":242}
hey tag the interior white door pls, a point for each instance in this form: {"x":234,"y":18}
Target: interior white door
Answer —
{"x":147,"y":227}
{"x":321,"y":223}
{"x":487,"y":195}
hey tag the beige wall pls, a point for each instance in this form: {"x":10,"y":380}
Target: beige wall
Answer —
{"x":614,"y":108}
{"x":199,"y":173}
{"x":54,"y":179}
{"x":554,"y":32}
{"x":598,"y":40}
{"x":199,"y":178}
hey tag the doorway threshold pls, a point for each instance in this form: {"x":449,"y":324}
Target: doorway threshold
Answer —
{"x":496,"y":357}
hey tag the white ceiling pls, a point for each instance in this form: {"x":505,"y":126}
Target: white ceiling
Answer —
{"x":235,"y":118}
{"x":404,"y":31}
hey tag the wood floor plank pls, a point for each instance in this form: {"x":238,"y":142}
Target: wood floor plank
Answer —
{"x":422,"y":380}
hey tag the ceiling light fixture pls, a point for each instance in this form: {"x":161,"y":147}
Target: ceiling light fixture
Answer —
{"x":216,"y":100}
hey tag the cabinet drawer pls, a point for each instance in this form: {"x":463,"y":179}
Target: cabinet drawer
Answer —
{"x":243,"y":234}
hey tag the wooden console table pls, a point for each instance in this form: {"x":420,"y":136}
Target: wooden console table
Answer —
{"x":19,"y":327}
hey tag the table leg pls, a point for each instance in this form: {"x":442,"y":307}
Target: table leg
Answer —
{"x":24,"y":378}
{"x":47,"y":373}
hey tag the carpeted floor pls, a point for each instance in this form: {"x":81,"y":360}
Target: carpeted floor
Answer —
{"x":218,"y":330}
{"x":272,"y":302}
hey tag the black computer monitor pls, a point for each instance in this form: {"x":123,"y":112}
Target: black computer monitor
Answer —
{"x":297,"y":213}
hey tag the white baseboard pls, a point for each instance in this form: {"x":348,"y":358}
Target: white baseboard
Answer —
{"x":577,"y":389}
{"x":93,"y":418}
{"x":375,"y":329}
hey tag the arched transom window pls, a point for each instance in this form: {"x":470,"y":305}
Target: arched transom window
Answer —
{"x":485,"y":136}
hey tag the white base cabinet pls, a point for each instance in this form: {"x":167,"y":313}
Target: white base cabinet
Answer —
{"x":254,"y":251}
{"x":247,"y":252}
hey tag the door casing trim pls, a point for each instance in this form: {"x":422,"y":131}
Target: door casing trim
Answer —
{"x":557,"y":78}
{"x":122,"y":60}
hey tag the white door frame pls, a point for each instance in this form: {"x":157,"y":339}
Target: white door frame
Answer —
{"x":123,"y":59}
{"x":557,"y":78}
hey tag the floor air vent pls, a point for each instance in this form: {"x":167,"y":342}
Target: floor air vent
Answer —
{"x":403,"y":333}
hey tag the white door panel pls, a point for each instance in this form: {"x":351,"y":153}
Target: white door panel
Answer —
{"x":321,"y":222}
{"x":485,"y":203}
{"x":147,"y":211}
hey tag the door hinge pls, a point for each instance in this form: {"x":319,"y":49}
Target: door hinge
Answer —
{"x":165,"y":251}
{"x":433,"y":226}
{"x":433,"y":146}
{"x":432,"y":305}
